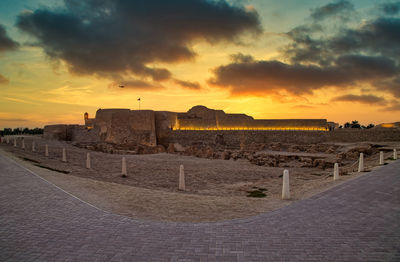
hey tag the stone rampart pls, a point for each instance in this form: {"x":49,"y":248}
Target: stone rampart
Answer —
{"x":83,"y":134}
{"x":123,"y":126}
{"x":165,"y":122}
{"x":59,"y":132}
{"x":234,"y":138}
{"x":130,"y":128}
{"x":203,"y":118}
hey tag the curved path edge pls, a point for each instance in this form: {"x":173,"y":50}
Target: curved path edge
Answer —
{"x":354,"y":221}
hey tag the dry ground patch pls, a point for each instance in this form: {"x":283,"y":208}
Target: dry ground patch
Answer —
{"x":216,"y":189}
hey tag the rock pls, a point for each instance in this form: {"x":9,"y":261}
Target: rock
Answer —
{"x":171,"y":148}
{"x":235,"y":155}
{"x":330,"y":150}
{"x":262,"y":147}
{"x":189,"y":151}
{"x":306,"y":161}
{"x":219,"y":139}
{"x":209,"y":152}
{"x":226,"y":155}
{"x":91,"y":148}
{"x":178,"y":147}
{"x":160,"y":149}
{"x":200,"y":153}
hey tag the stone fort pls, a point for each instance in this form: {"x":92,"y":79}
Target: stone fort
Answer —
{"x":128,"y":129}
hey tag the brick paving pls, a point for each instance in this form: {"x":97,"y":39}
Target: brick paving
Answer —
{"x":356,"y":221}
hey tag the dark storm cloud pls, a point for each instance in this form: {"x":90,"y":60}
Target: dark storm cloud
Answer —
{"x":304,"y":47}
{"x":188,"y":84}
{"x":342,"y":57}
{"x":380,"y":36}
{"x":263,"y":77}
{"x":6,"y":43}
{"x":3,"y":80}
{"x":332,"y":9}
{"x":365,"y":99}
{"x":391,"y":8}
{"x":109,"y":37}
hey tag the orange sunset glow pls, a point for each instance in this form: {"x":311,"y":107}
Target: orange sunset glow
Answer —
{"x":336,"y":60}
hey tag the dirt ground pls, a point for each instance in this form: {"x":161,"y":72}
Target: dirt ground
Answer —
{"x":216,"y":189}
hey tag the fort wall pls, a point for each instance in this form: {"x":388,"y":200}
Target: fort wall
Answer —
{"x":123,"y":126}
{"x":233,"y":138}
{"x":201,"y":125}
{"x":164,"y":123}
{"x":59,"y":132}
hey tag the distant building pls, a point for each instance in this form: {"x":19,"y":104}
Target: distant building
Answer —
{"x":148,"y":127}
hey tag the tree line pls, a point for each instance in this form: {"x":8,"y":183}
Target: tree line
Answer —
{"x":21,"y":131}
{"x":356,"y":124}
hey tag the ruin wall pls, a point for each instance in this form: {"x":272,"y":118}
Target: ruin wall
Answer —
{"x":164,"y":123}
{"x":234,"y":120}
{"x":287,"y":123}
{"x":84,"y":135}
{"x":233,"y":138}
{"x":126,"y":127}
{"x":59,"y":132}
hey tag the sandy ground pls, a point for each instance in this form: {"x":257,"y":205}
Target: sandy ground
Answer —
{"x":216,"y":189}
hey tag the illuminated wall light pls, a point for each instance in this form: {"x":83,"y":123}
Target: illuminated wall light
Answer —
{"x":244,"y":129}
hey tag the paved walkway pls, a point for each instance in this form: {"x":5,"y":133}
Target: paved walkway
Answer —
{"x":356,"y":221}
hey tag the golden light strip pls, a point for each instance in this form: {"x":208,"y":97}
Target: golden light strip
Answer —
{"x":255,"y":128}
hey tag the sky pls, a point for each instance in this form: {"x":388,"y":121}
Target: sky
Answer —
{"x":338,"y":60}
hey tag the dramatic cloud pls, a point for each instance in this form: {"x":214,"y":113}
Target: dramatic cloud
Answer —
{"x":380,"y":36}
{"x":118,"y":37}
{"x":321,"y":56}
{"x":392,"y":8}
{"x":188,"y":84}
{"x":6,"y":43}
{"x":341,"y":8}
{"x":3,"y":80}
{"x":264,"y":77}
{"x":365,"y":99}
{"x":376,"y":37}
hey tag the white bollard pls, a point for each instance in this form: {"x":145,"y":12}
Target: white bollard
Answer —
{"x":88,"y":165}
{"x":361,"y":163}
{"x":336,"y":171}
{"x":123,"y":172}
{"x":15,"y":142}
{"x":182,"y":185}
{"x":285,"y":185}
{"x":23,"y":144}
{"x":64,"y":155}
{"x":46,"y":150}
{"x":381,"y":161}
{"x":394,"y":154}
{"x":33,"y":146}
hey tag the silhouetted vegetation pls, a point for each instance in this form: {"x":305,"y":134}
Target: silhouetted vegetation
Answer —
{"x":356,"y":124}
{"x":21,"y":131}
